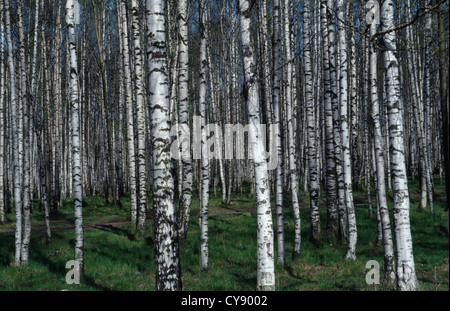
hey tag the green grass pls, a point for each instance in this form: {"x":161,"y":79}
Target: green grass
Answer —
{"x":116,"y":261}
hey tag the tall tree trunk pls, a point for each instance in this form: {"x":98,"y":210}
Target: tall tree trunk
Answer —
{"x":130,"y":122}
{"x":310,"y":115}
{"x":183,"y":94}
{"x":75,"y":134}
{"x":140,"y":109}
{"x":291,"y":102}
{"x":2,"y":120}
{"x":382,"y":206}
{"x":332,"y":217}
{"x":406,"y":274}
{"x":15,"y":138}
{"x":276,"y":99}
{"x":444,"y":103}
{"x":265,"y":262}
{"x":205,"y":164}
{"x":344,"y":133}
{"x":167,"y":260}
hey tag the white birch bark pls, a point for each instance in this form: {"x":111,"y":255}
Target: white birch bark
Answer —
{"x":276,"y":99}
{"x":167,"y":261}
{"x":129,"y":115}
{"x":204,"y":202}
{"x":344,"y":132}
{"x":2,"y":117}
{"x":183,"y":94}
{"x":75,"y":134}
{"x":17,"y":191}
{"x":140,"y":113}
{"x":290,"y":105}
{"x":427,"y":105}
{"x":382,"y":206}
{"x":310,"y":115}
{"x":331,"y":199}
{"x":406,"y":274}
{"x":265,"y":258}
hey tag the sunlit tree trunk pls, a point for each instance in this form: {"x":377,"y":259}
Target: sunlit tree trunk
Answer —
{"x":265,"y":258}
{"x":167,"y":260}
{"x":406,"y":273}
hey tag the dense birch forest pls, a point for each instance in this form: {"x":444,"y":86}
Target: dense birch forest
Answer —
{"x":160,"y":108}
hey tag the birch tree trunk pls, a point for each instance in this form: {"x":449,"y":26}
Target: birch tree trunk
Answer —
{"x":427,"y":105}
{"x":310,"y":115}
{"x":443,"y":90}
{"x":276,"y":99}
{"x":406,"y":274}
{"x":167,"y":260}
{"x":75,"y":134}
{"x":2,"y":118}
{"x":129,"y":112}
{"x":290,"y":102}
{"x":140,"y":112}
{"x":332,"y":226}
{"x":382,"y":206}
{"x":204,"y":201}
{"x":15,"y":138}
{"x":183,"y":95}
{"x":344,"y":133}
{"x":265,"y":258}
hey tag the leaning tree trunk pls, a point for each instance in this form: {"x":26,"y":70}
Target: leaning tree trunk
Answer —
{"x":406,"y":274}
{"x":427,"y":105}
{"x":265,"y":258}
{"x":382,"y":206}
{"x":75,"y":134}
{"x":167,"y":260}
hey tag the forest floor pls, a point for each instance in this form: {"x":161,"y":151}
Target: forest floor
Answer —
{"x":114,"y":260}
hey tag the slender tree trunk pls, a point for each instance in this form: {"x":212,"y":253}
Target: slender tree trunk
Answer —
{"x":444,"y":104}
{"x":344,"y":133}
{"x":130,"y":121}
{"x":310,"y":115}
{"x":183,"y":94}
{"x":382,"y":206}
{"x":75,"y":134}
{"x":2,"y":120}
{"x":205,"y":163}
{"x":332,"y":217}
{"x":276,"y":99}
{"x":290,"y":102}
{"x":140,"y":109}
{"x":17,"y":190}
